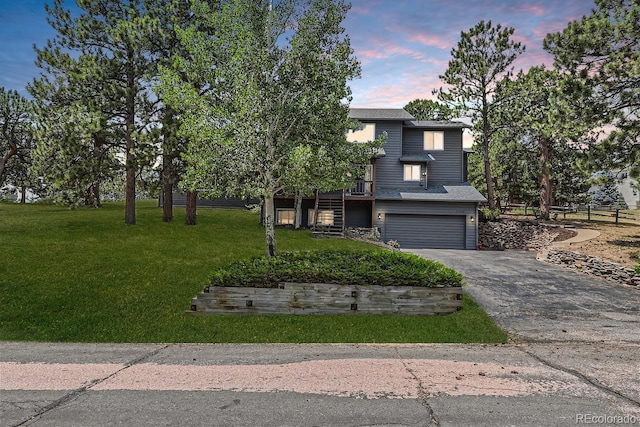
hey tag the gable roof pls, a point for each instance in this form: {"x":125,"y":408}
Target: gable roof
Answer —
{"x":380,"y":114}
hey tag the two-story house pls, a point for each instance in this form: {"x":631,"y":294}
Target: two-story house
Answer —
{"x":414,"y":190}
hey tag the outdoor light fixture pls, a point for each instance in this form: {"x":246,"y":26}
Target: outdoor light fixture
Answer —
{"x":380,"y":216}
{"x":472,"y":218}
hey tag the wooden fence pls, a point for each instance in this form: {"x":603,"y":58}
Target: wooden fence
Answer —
{"x":602,"y":213}
{"x":320,"y":298}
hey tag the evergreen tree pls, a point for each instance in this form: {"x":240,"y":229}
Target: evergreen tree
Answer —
{"x":427,"y":109}
{"x":541,"y":110}
{"x":602,"y":49}
{"x":99,"y":63}
{"x":484,"y":55}
{"x":16,"y":135}
{"x":605,"y":192}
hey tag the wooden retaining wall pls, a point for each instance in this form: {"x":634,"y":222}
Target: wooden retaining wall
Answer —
{"x":320,"y":298}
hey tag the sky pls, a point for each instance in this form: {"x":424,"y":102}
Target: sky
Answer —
{"x":403,"y":45}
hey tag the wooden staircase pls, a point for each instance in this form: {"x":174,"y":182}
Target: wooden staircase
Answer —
{"x":335,"y":203}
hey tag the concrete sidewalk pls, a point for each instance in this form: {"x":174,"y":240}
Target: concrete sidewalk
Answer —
{"x":582,"y":235}
{"x":329,"y":385}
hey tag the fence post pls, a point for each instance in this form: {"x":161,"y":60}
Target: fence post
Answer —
{"x":617,"y":214}
{"x":588,"y":212}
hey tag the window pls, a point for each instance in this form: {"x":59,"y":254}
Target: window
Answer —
{"x":412,"y":172}
{"x":433,"y":140}
{"x":285,"y":216}
{"x":367,"y":132}
{"x":325,"y":217}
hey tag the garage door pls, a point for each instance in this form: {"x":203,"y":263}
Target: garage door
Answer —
{"x":426,"y":231}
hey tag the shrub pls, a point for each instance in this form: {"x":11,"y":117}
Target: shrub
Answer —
{"x":488,"y":214}
{"x":384,"y":267}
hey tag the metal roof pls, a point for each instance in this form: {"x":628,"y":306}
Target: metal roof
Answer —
{"x":380,"y":114}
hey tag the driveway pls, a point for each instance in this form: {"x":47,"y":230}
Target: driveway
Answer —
{"x":539,"y":302}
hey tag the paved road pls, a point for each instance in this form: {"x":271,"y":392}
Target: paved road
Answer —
{"x":314,"y":385}
{"x":547,"y":377}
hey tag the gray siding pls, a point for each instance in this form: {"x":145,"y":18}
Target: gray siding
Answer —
{"x":434,"y":210}
{"x":389,"y":172}
{"x":448,"y":166}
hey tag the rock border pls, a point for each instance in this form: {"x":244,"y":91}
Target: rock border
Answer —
{"x":508,"y":233}
{"x":593,"y":266}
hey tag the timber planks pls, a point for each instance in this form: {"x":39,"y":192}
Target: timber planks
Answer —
{"x":321,"y":298}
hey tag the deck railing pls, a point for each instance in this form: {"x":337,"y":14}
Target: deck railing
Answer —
{"x":361,"y":187}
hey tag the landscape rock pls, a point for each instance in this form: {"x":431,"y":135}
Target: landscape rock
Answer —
{"x":515,"y":234}
{"x":531,"y":235}
{"x":591,"y":265}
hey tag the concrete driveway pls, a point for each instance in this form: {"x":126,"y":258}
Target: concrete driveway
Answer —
{"x":539,"y":302}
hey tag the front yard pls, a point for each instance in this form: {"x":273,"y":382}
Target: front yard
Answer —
{"x":83,"y":276}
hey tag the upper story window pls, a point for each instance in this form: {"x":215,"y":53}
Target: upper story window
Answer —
{"x":412,"y":172}
{"x":366,"y":132}
{"x":433,"y":140}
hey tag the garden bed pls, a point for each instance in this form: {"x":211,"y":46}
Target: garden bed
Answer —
{"x":380,"y":282}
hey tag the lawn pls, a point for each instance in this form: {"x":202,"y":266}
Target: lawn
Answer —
{"x":83,"y":276}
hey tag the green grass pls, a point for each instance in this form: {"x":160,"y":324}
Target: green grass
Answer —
{"x":83,"y":276}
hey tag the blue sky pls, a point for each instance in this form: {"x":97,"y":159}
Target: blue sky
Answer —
{"x":403,"y":45}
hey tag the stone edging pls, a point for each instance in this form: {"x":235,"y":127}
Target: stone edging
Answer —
{"x":593,"y":266}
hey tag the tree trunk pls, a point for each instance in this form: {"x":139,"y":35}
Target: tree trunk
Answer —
{"x":192,"y":198}
{"x":96,"y":195}
{"x":269,"y":228}
{"x":94,"y":189}
{"x":491,"y":199}
{"x":23,"y":194}
{"x":130,"y":186}
{"x":13,"y":150}
{"x":92,"y":196}
{"x":545,"y":179}
{"x":167,"y":188}
{"x":298,"y":211}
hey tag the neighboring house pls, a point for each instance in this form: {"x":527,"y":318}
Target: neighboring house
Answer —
{"x":414,"y":190}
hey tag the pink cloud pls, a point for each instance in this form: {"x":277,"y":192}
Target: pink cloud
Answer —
{"x":397,"y":93}
{"x":360,"y":10}
{"x":535,"y":9}
{"x":387,"y":49}
{"x":533,"y":59}
{"x":543,"y":28}
{"x":431,"y":40}
{"x":371,"y":54}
